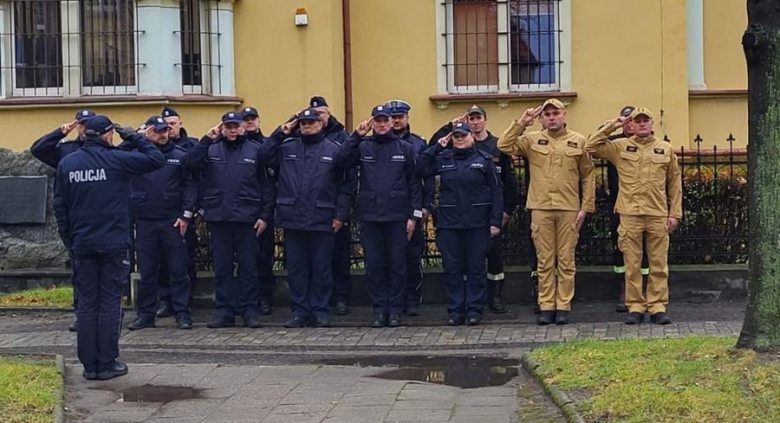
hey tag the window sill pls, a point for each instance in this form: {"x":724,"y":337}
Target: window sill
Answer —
{"x":443,"y":100}
{"x":115,"y":100}
{"x":717,"y":93}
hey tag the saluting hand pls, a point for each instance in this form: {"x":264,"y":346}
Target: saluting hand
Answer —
{"x":66,"y":128}
{"x":215,"y":132}
{"x":288,"y":127}
{"x":260,"y":226}
{"x":364,"y":127}
{"x":445,"y":141}
{"x":617,"y":122}
{"x":182,"y":225}
{"x":671,"y":224}
{"x":410,"y":225}
{"x":494,"y":231}
{"x":462,"y":118}
{"x":529,"y":116}
{"x":581,"y":215}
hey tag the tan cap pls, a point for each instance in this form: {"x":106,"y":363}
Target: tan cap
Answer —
{"x":641,"y":111}
{"x":555,"y":103}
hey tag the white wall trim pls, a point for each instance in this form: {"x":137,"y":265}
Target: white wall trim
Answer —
{"x":695,"y":18}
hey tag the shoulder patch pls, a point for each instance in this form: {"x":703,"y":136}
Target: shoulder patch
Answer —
{"x":659,"y":151}
{"x":543,"y":142}
{"x":573,"y":144}
{"x":631,"y":148}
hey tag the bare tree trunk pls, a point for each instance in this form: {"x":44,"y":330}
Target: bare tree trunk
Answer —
{"x":761,"y":329}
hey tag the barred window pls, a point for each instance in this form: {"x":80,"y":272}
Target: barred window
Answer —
{"x":502,"y":45}
{"x":200,"y":50}
{"x":108,"y":46}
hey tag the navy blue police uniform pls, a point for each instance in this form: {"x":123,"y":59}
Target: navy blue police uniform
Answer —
{"x":50,"y":149}
{"x":236,"y":192}
{"x":310,"y":171}
{"x":469,"y":204}
{"x":390,"y":195}
{"x":92,"y":207}
{"x":159,"y":200}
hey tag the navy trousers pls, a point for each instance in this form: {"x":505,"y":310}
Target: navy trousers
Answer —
{"x":342,"y":281}
{"x":265,"y":264}
{"x":161,"y":248}
{"x":414,"y":274}
{"x":101,"y":277}
{"x":309,"y":266}
{"x":164,"y":285}
{"x":236,"y":293}
{"x":463,"y":253}
{"x":385,"y":247}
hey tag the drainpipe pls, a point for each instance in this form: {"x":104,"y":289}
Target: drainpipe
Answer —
{"x":347,"y":36}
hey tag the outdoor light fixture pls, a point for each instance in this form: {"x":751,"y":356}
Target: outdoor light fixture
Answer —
{"x":301,"y":18}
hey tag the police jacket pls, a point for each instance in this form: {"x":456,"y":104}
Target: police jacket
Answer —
{"x":166,"y":193}
{"x":92,"y":192}
{"x":648,"y":172}
{"x":184,"y":141}
{"x":310,"y":172}
{"x":334,"y":131}
{"x":390,"y":190}
{"x":470,"y":189}
{"x":505,"y":168}
{"x":562,"y":176}
{"x":419,"y":145}
{"x":235,"y":186}
{"x":50,"y":148}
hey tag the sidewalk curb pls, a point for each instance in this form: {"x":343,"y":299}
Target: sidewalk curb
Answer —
{"x":36,"y":309}
{"x":560,"y":398}
{"x":59,"y":409}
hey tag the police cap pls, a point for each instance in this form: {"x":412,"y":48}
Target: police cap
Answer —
{"x":98,"y":125}
{"x":156,"y":122}
{"x":318,"y":101}
{"x":169,"y":112}
{"x":308,"y":114}
{"x":84,"y":115}
{"x":461,"y":128}
{"x":249,"y":111}
{"x":380,"y":111}
{"x":398,"y":107}
{"x":231,"y":117}
{"x":626,"y":111}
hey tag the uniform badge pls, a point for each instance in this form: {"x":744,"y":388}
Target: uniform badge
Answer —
{"x":572,"y":144}
{"x":544,"y":142}
{"x":477,"y":166}
{"x":631,"y":148}
{"x":659,"y":151}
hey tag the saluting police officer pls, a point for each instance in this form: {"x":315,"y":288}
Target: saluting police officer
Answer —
{"x":91,"y":204}
{"x":178,"y":137}
{"x":310,"y":170}
{"x":163,"y":204}
{"x":468,"y":216}
{"x":562,"y":193}
{"x":265,"y":257}
{"x":389,"y":207}
{"x":237,"y":198}
{"x":399,"y":110}
{"x":649,"y":204}
{"x":50,"y":149}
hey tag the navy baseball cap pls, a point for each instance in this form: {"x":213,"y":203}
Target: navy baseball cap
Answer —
{"x":157,"y":122}
{"x":98,"y":125}
{"x":249,"y":111}
{"x":461,"y":128}
{"x":626,"y":111}
{"x":317,"y":101}
{"x":169,"y":112}
{"x":398,"y":107}
{"x":380,"y":111}
{"x":231,"y":117}
{"x":476,"y":109}
{"x":83,"y":115}
{"x":308,"y":114}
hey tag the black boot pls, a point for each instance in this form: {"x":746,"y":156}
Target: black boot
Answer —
{"x":495,"y":298}
{"x":535,"y":292}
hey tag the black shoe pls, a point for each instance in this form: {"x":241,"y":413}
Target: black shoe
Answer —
{"x":297,"y":322}
{"x":221,"y":322}
{"x":495,"y":298}
{"x":90,"y":375}
{"x":380,"y":320}
{"x":165,"y":309}
{"x":474,"y":321}
{"x":141,"y":323}
{"x":342,"y":309}
{"x":545,"y":318}
{"x":562,"y":317}
{"x":265,"y":307}
{"x":660,"y":318}
{"x":252,"y":322}
{"x":74,"y":327}
{"x":635,"y":318}
{"x":394,"y":320}
{"x":412,"y":310}
{"x":621,"y":308}
{"x":184,"y":321}
{"x":119,"y":369}
{"x":322,"y":321}
{"x":454,"y":321}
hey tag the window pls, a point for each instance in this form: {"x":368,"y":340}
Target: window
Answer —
{"x":107,"y":29}
{"x":492,"y":46}
{"x":200,"y":49}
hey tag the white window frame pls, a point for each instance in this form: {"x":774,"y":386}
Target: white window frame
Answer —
{"x":446,"y":48}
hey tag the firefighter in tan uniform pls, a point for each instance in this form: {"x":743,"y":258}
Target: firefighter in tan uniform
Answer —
{"x":561,"y":194}
{"x":649,"y":204}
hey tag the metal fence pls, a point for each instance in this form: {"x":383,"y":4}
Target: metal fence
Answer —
{"x":713,"y":230}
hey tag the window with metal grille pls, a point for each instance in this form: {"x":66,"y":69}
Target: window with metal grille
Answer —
{"x":200,"y":49}
{"x":68,"y":47}
{"x":502,"y":45}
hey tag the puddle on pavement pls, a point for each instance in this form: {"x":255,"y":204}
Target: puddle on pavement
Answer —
{"x":158,"y":393}
{"x":463,"y":372}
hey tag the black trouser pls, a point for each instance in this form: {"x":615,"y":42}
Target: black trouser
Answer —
{"x":164,"y":285}
{"x":495,"y":262}
{"x":265,"y":263}
{"x":309,"y":265}
{"x":385,"y":247}
{"x":235,"y":243}
{"x":414,"y":274}
{"x":463,"y":253}
{"x":342,"y":281}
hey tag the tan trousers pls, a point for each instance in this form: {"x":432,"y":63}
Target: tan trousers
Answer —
{"x":555,"y":236}
{"x":631,"y":232}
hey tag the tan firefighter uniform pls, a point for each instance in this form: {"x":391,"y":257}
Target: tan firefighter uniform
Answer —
{"x":562,"y":184}
{"x":650,"y":192}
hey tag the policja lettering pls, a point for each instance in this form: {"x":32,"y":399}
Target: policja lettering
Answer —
{"x":87,"y":175}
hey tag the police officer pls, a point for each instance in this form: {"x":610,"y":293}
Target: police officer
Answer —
{"x":265,"y":257}
{"x":178,"y":136}
{"x":342,"y":247}
{"x":562,"y":193}
{"x":389,"y":207}
{"x":649,"y":204}
{"x":163,"y":203}
{"x":237,"y":199}
{"x":399,"y":110}
{"x":310,"y":170}
{"x":469,"y":215}
{"x":50,"y":149}
{"x":91,"y":204}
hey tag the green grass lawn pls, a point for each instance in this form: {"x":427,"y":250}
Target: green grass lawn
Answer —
{"x":681,"y":380}
{"x":28,"y":390}
{"x":53,"y":297}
